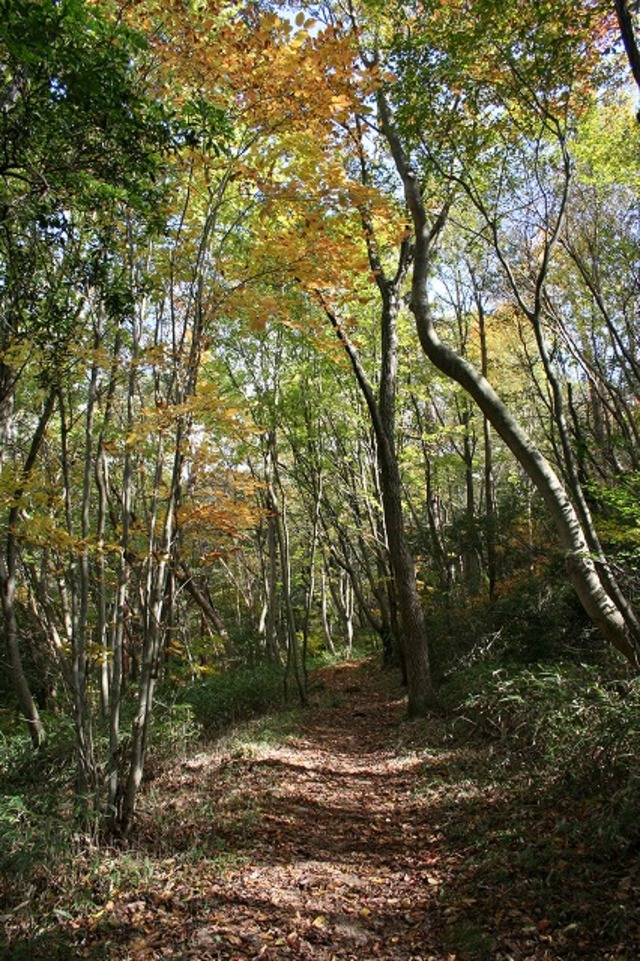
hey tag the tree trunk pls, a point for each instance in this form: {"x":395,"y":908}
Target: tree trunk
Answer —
{"x":8,"y":563}
{"x":421,"y":695}
{"x":324,"y":614}
{"x":581,"y":569}
{"x":627,"y":32}
{"x":279,"y":510}
{"x":204,"y":602}
{"x":490,"y":508}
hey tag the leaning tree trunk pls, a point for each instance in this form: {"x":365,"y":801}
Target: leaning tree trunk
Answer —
{"x":582,"y":571}
{"x":627,"y":32}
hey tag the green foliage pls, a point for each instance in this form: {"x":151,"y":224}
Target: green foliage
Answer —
{"x":76,"y":118}
{"x":82,"y":139}
{"x":174,"y":729}
{"x":575,"y":730}
{"x":235,"y":695}
{"x":478,"y":75}
{"x":540,"y":618}
{"x":535,"y":618}
{"x":14,"y":818}
{"x":455,"y":626}
{"x":606,"y":146}
{"x":202,"y":124}
{"x":619,"y":510}
{"x":34,"y":798}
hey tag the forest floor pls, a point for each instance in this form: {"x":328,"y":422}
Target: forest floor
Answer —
{"x":349,"y":835}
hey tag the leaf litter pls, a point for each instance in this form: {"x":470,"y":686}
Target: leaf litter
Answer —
{"x":363,"y":837}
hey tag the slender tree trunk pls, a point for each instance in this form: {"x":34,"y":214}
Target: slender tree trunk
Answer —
{"x":204,"y":602}
{"x":432,"y":502}
{"x":342,"y":594}
{"x":163,"y":541}
{"x":471,"y":548}
{"x":8,"y":564}
{"x":7,"y":383}
{"x":279,"y":510}
{"x":421,"y":695}
{"x":271,"y":590}
{"x":490,"y":508}
{"x":19,"y":680}
{"x":324,"y":614}
{"x":74,"y":611}
{"x":116,"y":764}
{"x":101,"y":470}
{"x":415,"y":647}
{"x":117,"y":633}
{"x":159,"y":557}
{"x":311,"y":586}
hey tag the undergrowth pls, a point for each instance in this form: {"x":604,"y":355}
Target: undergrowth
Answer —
{"x":223,"y":699}
{"x":572,"y":729}
{"x":35,"y":799}
{"x":38,"y":828}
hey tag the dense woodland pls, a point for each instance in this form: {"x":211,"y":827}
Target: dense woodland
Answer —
{"x":318,"y":337}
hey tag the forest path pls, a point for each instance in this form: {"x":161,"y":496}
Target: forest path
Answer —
{"x":343,"y":833}
{"x":338,"y":854}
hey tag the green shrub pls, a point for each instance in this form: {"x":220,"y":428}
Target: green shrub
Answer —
{"x":174,"y":728}
{"x":541,"y":619}
{"x":236,"y":695}
{"x":35,"y":794}
{"x":535,"y":619}
{"x":15,"y":832}
{"x":575,"y":730}
{"x":456,"y":626}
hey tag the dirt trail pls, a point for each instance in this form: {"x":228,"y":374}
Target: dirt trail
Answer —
{"x":341,"y":856}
